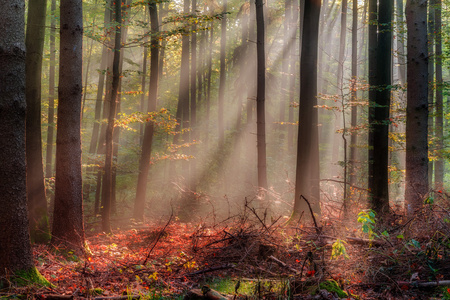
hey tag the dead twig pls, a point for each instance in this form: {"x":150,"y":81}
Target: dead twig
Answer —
{"x":158,"y":238}
{"x":312,"y":214}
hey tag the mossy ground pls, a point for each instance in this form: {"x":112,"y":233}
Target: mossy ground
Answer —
{"x":31,"y":277}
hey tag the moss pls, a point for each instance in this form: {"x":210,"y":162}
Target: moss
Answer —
{"x":333,"y":287}
{"x":31,"y":277}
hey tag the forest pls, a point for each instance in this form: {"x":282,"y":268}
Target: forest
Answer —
{"x":224,"y":149}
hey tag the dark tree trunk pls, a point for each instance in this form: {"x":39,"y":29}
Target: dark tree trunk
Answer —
{"x":68,"y":228}
{"x":261,"y":97}
{"x":51,"y":95}
{"x":144,"y":91}
{"x":113,"y":97}
{"x":37,"y":202}
{"x":15,"y":249}
{"x":417,"y":106}
{"x":379,"y":104}
{"x":307,"y":177}
{"x":144,"y":162}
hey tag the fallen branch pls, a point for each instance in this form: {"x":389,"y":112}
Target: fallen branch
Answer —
{"x":312,"y":214}
{"x":157,"y":239}
{"x":424,"y":284}
{"x":284,"y":265}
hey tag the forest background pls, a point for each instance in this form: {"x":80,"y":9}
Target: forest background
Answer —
{"x":217,"y":129}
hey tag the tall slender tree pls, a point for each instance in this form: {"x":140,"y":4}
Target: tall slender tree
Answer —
{"x":51,"y":94}
{"x":380,"y":45}
{"x":193,"y":100}
{"x":417,"y":106}
{"x":15,"y":248}
{"x":353,"y":101}
{"x":222,"y":75}
{"x":307,"y":177}
{"x":37,"y":202}
{"x":144,"y":162}
{"x":261,"y":96}
{"x":439,"y":105}
{"x":113,"y":99}
{"x":68,"y":228}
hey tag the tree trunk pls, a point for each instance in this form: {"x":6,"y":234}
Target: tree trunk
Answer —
{"x":222,"y":79}
{"x":354,"y":100}
{"x":417,"y":106}
{"x":144,"y":162}
{"x":439,"y":122}
{"x":292,"y":73}
{"x":107,"y":175}
{"x":51,"y":95}
{"x":68,"y":228}
{"x":94,"y":143}
{"x":379,"y":104}
{"x":340,"y":119}
{"x":307,"y":177}
{"x":37,"y":202}
{"x":193,"y":89}
{"x":15,"y":249}
{"x":261,"y":97}
{"x":431,"y":89}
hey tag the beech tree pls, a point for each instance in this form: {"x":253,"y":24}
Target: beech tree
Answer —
{"x":15,"y":248}
{"x":416,"y":185}
{"x":37,"y":202}
{"x":68,"y":228}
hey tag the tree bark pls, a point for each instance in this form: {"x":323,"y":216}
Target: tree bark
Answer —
{"x":144,"y":162}
{"x":439,"y":109}
{"x":37,"y":202}
{"x":193,"y":100}
{"x":379,"y":104}
{"x":222,"y":77}
{"x":354,"y":100}
{"x":307,"y":177}
{"x":68,"y":228}
{"x":113,"y":97}
{"x":417,"y":106}
{"x":51,"y":95}
{"x":15,"y":249}
{"x":261,"y":97}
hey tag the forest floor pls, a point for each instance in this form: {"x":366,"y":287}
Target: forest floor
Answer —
{"x":245,"y":258}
